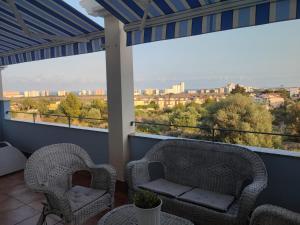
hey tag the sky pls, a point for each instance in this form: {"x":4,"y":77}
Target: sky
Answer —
{"x":261,"y":56}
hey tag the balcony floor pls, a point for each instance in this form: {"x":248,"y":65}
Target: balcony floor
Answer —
{"x":18,"y":205}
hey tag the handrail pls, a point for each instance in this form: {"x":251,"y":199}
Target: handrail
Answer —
{"x":207,"y":128}
{"x":212,"y":129}
{"x":34,"y":114}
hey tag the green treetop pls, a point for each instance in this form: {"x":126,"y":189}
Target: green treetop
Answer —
{"x":70,"y":106}
{"x":239,"y":112}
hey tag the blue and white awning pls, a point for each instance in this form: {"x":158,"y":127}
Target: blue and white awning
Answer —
{"x":168,"y":19}
{"x":40,"y":29}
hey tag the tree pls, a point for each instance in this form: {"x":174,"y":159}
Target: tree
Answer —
{"x":70,"y":106}
{"x":27,"y":104}
{"x":42,"y":106}
{"x":238,"y":90}
{"x":293,"y":118}
{"x":101,"y":106}
{"x":238,"y":112}
{"x":153,"y":105}
{"x":184,"y":116}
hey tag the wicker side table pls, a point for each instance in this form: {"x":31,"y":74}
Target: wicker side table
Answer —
{"x":125,"y":215}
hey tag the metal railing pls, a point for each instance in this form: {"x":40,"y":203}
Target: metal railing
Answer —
{"x":213,"y":131}
{"x":69,"y":118}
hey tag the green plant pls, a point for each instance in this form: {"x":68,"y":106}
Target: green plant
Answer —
{"x":146,"y":200}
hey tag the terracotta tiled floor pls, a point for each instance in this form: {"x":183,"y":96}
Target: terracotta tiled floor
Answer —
{"x":18,"y":205}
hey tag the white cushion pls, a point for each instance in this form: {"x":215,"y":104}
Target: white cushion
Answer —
{"x":208,"y":199}
{"x":165,"y":187}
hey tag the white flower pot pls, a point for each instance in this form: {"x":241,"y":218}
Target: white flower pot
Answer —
{"x":148,"y":216}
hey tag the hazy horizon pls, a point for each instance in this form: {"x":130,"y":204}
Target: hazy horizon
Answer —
{"x":261,"y":56}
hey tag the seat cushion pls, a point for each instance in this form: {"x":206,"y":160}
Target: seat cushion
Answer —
{"x":208,"y":199}
{"x":80,"y":196}
{"x":165,"y":187}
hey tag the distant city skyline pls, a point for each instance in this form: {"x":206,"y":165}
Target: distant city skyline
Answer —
{"x":262,"y":56}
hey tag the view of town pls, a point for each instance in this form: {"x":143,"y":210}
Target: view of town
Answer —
{"x":235,"y":113}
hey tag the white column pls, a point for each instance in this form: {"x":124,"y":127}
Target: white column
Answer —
{"x":1,"y":83}
{"x":120,"y":90}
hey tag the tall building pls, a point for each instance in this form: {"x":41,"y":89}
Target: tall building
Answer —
{"x":229,"y":87}
{"x":150,"y":91}
{"x":12,"y":94}
{"x":45,"y":93}
{"x":61,"y":93}
{"x":137,"y":92}
{"x":175,"y":89}
{"x":31,"y":93}
{"x":99,"y":92}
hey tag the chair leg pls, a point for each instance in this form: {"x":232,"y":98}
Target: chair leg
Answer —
{"x":42,"y":219}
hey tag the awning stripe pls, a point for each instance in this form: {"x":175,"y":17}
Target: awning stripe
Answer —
{"x":264,"y":13}
{"x":168,"y":19}
{"x":53,"y":52}
{"x":51,"y":17}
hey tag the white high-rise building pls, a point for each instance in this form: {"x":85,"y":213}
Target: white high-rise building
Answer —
{"x":31,"y":93}
{"x":61,"y":93}
{"x":175,"y":89}
{"x":45,"y":93}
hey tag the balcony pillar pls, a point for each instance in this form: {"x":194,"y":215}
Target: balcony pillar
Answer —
{"x":120,"y":90}
{"x":1,"y":83}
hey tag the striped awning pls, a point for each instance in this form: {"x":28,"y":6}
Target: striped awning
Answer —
{"x":168,"y":19}
{"x":40,"y":29}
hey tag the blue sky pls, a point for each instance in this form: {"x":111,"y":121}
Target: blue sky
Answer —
{"x":262,"y":56}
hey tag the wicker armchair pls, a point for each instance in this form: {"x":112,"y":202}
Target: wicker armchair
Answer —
{"x":49,"y":170}
{"x":273,"y":215}
{"x":216,"y":167}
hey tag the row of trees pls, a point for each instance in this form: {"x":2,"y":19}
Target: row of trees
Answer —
{"x":236,"y":112}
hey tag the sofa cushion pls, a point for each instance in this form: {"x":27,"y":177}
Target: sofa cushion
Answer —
{"x":80,"y":196}
{"x":164,"y":187}
{"x":208,"y":199}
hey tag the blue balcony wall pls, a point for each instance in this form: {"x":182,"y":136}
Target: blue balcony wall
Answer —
{"x":29,"y":137}
{"x":282,"y":166}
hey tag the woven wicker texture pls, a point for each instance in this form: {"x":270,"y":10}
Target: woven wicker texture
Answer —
{"x":49,"y":170}
{"x":273,"y":215}
{"x":216,"y":167}
{"x":125,"y":215}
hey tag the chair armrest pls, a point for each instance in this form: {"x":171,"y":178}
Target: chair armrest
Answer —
{"x":57,"y":200}
{"x":137,"y":173}
{"x":248,"y":197}
{"x":273,"y":215}
{"x":103,"y":177}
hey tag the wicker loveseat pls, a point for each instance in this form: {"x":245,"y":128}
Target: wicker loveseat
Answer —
{"x":220,"y":172}
{"x":49,"y":171}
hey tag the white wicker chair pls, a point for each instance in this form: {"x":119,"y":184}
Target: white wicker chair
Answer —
{"x":49,"y":170}
{"x":274,"y":215}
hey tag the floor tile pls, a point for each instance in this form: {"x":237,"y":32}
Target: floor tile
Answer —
{"x":15,"y":216}
{"x":28,"y":196}
{"x":20,"y":206}
{"x":10,"y":204}
{"x":33,"y":220}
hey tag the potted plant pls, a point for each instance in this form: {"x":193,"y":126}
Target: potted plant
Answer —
{"x":147,"y":206}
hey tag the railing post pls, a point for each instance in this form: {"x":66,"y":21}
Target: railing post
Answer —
{"x":213,"y":134}
{"x":34,"y":117}
{"x":69,"y":121}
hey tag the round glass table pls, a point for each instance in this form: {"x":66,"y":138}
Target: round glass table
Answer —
{"x":125,"y":215}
